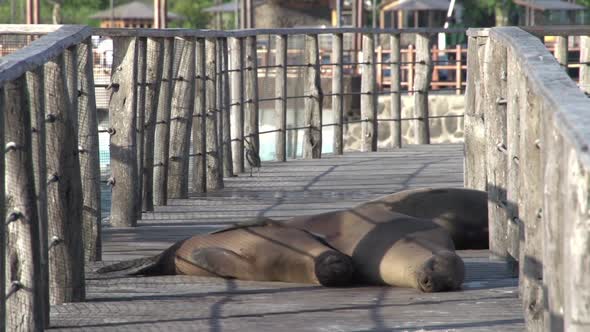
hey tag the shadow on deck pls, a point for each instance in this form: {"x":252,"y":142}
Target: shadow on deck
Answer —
{"x":489,"y":300}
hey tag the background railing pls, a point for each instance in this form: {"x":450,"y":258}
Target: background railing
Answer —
{"x":526,"y":143}
{"x":186,"y":108}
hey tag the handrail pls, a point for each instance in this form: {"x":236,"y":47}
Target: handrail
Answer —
{"x":41,"y":50}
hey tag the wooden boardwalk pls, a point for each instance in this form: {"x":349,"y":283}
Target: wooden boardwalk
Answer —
{"x":488,"y":302}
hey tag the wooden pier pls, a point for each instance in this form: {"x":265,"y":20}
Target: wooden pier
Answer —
{"x":488,"y":302}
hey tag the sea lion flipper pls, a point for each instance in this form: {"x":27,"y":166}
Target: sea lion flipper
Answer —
{"x":222,"y":262}
{"x":257,"y":222}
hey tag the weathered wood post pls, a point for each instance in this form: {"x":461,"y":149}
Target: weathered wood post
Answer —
{"x":140,"y":86}
{"x":514,"y":230}
{"x":199,"y":122}
{"x":561,"y":50}
{"x":162,"y":136}
{"x":312,"y":134}
{"x":369,"y":95}
{"x":155,"y":64}
{"x":123,"y":148}
{"x":36,"y":101}
{"x":183,"y":99}
{"x":71,"y":60}
{"x":251,"y":106}
{"x":64,"y":190}
{"x":219,"y":102}
{"x":24,"y":295}
{"x":89,"y":154}
{"x":494,"y":93}
{"x":555,"y":190}
{"x":577,"y":233}
{"x":422,"y":80}
{"x":530,"y":203}
{"x":395,"y":126}
{"x":2,"y":225}
{"x":214,"y":175}
{"x":237,"y":103}
{"x":474,"y":116}
{"x":338,"y":91}
{"x":458,"y":70}
{"x":228,"y":167}
{"x":281,"y":94}
{"x":585,"y":63}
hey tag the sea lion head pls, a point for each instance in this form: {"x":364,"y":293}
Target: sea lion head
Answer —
{"x":444,"y":271}
{"x":333,"y":269}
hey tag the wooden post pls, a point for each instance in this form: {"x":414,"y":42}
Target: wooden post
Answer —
{"x":495,"y":76}
{"x":122,"y":112}
{"x":338,"y":91}
{"x":561,"y":51}
{"x":89,"y":155}
{"x":369,"y":95}
{"x":199,"y":122}
{"x":237,"y":103}
{"x":530,"y":204}
{"x":64,"y":191}
{"x":514,"y":230}
{"x":555,"y":190}
{"x":183,"y":99}
{"x":214,"y":176}
{"x":163,"y":126}
{"x":71,"y":60}
{"x":155,"y":64}
{"x":576,"y":238}
{"x":218,"y":109}
{"x":3,"y":226}
{"x":421,"y":85}
{"x":312,"y":134}
{"x":251,"y":97}
{"x":36,"y":102}
{"x":141,"y":89}
{"x":585,"y":63}
{"x":410,"y":75}
{"x":228,"y":167}
{"x":458,"y":69}
{"x":24,"y":295}
{"x":474,"y":117}
{"x":395,"y":127}
{"x":281,"y":93}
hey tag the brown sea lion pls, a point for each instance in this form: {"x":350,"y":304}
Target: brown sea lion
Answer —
{"x":263,"y":250}
{"x":390,"y":248}
{"x":462,"y":212}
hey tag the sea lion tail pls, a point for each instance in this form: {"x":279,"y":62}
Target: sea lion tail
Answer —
{"x":146,"y":265}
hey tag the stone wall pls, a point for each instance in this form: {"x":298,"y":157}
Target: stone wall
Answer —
{"x":442,"y":130}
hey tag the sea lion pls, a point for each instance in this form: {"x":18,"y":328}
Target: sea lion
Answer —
{"x":263,"y":250}
{"x":462,"y":212}
{"x":389,"y":247}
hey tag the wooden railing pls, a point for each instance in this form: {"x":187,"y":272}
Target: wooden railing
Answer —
{"x":167,"y":86}
{"x":527,"y":141}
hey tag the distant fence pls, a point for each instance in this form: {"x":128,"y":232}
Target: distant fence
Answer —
{"x":527,"y":137}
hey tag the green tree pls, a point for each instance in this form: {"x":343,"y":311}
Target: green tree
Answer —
{"x":486,"y":13}
{"x":191,"y":12}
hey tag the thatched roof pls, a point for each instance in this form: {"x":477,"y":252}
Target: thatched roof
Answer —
{"x":549,"y":5}
{"x":135,"y":10}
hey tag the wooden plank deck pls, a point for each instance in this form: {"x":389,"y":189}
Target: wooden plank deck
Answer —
{"x":488,"y":302}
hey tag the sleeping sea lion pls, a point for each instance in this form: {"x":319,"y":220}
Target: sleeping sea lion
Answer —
{"x":389,"y":247}
{"x":462,"y":212}
{"x":263,"y":250}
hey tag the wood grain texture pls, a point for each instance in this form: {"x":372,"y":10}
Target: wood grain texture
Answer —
{"x":228,"y":167}
{"x":199,"y":125}
{"x":585,"y":63}
{"x":24,"y":311}
{"x":214,"y":162}
{"x":395,"y":110}
{"x":163,"y":125}
{"x":281,"y":93}
{"x":251,"y":105}
{"x":422,"y":78}
{"x":181,"y":116}
{"x":369,"y":102}
{"x":312,"y":134}
{"x":64,"y":191}
{"x":89,"y":154}
{"x":155,"y":67}
{"x":237,"y":102}
{"x":123,"y":145}
{"x":2,"y":225}
{"x":337,"y":91}
{"x":140,"y":88}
